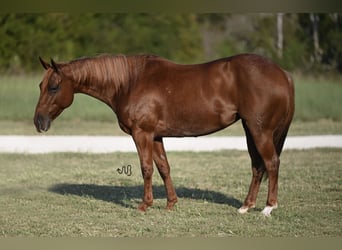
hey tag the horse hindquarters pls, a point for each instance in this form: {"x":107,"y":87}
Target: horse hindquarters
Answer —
{"x":265,"y":142}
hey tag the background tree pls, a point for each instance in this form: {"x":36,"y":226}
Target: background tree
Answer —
{"x":304,"y":42}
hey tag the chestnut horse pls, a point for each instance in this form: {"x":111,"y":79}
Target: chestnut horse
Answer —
{"x":155,"y":98}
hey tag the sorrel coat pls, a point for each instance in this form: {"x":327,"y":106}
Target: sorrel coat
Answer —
{"x":155,"y":98}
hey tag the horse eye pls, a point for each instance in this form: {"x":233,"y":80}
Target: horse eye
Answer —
{"x":53,"y":89}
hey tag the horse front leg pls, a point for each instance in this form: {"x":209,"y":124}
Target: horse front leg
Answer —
{"x":159,"y":157}
{"x":144,"y":144}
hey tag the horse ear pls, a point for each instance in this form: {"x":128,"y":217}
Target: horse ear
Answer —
{"x":54,"y":66}
{"x":45,"y":64}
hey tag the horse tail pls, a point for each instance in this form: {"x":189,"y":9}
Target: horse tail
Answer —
{"x":281,"y":133}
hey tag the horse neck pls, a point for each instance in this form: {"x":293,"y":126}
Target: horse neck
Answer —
{"x":103,"y":77}
{"x":94,"y":89}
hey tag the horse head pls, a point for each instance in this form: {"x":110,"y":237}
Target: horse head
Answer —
{"x":56,"y":94}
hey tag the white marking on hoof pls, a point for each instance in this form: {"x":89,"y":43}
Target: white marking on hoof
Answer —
{"x":268,"y":209}
{"x":243,"y":210}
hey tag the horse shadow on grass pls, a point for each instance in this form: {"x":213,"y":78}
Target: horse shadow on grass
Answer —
{"x":121,"y":194}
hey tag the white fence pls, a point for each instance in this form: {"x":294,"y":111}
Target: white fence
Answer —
{"x":108,"y":144}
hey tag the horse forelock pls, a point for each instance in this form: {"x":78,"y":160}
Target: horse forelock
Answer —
{"x":105,"y":69}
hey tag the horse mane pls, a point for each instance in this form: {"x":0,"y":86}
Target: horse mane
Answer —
{"x":101,"y":70}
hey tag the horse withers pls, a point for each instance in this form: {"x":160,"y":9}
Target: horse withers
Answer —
{"x":155,"y":98}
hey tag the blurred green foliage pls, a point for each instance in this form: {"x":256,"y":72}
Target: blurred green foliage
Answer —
{"x":185,"y":38}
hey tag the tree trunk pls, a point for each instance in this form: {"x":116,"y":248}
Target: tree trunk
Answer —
{"x":317,"y":50}
{"x":280,"y":37}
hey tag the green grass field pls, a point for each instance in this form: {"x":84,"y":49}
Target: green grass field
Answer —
{"x":318,"y":110}
{"x":83,"y":195}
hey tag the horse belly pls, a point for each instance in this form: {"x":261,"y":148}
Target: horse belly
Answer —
{"x":195,"y":122}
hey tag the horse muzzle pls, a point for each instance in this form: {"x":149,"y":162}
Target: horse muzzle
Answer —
{"x":42,"y":122}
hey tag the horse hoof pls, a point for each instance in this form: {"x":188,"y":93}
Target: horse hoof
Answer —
{"x":243,"y":210}
{"x":170,"y":205}
{"x":142,"y":207}
{"x":267,"y":210}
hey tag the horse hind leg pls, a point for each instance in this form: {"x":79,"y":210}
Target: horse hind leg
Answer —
{"x":265,"y":159}
{"x":271,"y":160}
{"x":258,"y":170}
{"x":273,"y":171}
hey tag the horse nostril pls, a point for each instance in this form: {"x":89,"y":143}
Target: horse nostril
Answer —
{"x":37,"y":122}
{"x":42,"y":123}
